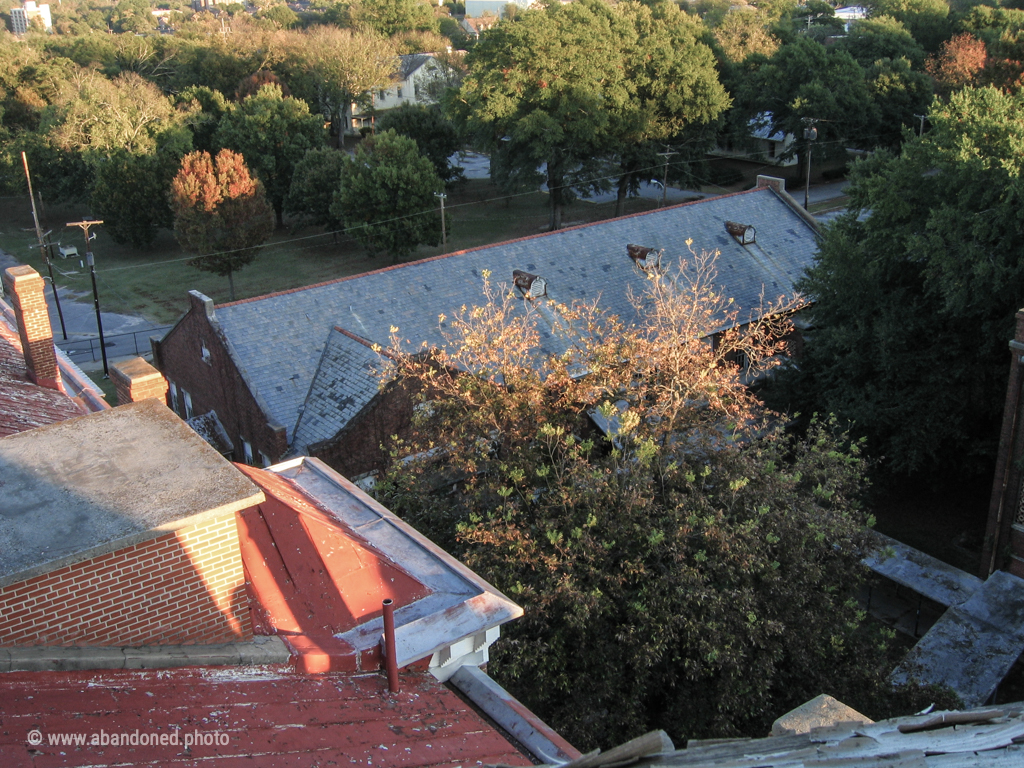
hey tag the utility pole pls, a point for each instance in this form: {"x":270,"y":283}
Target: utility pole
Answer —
{"x":444,"y":233}
{"x":42,"y":247}
{"x":810,"y":134}
{"x":664,"y":181}
{"x":95,"y":293}
{"x":920,"y":131}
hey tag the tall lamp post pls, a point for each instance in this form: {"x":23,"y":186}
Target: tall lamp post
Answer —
{"x":810,"y":134}
{"x":444,"y":231}
{"x":664,"y":182}
{"x":95,"y":293}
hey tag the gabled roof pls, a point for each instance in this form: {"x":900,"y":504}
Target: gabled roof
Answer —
{"x":344,"y":383}
{"x":585,"y":263}
{"x":411,"y":62}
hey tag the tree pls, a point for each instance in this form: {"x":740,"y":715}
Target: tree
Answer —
{"x":315,"y":183}
{"x":345,"y":66}
{"x":959,"y":62}
{"x":882,"y":37}
{"x":899,"y":95}
{"x":435,"y":135}
{"x":220,"y":212}
{"x":806,"y":81}
{"x":693,"y":571}
{"x":570,"y":85}
{"x":926,"y":20}
{"x":745,"y":32}
{"x":273,"y":133}
{"x":391,"y":17}
{"x":387,"y":196}
{"x":914,"y":303}
{"x":130,"y":190}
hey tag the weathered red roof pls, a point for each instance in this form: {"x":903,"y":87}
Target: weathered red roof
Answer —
{"x":271,"y":716}
{"x":23,"y":404}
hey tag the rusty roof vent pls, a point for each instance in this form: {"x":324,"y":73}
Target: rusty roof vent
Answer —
{"x":744,"y":233}
{"x":646,"y":259}
{"x":531,"y":286}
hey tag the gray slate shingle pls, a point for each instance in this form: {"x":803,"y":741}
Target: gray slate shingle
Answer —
{"x":279,"y":339}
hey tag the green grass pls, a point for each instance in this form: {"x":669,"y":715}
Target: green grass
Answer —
{"x":154,"y":282}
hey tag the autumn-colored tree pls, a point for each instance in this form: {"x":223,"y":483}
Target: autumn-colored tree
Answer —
{"x":958,"y":63}
{"x":250,"y":86}
{"x":220,"y":212}
{"x":692,"y":568}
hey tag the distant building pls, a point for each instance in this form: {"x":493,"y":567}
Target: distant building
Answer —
{"x":851,"y":14}
{"x":21,"y":18}
{"x":417,"y":70}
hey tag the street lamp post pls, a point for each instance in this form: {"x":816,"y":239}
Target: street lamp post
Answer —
{"x":444,"y":234}
{"x":664,"y":181}
{"x":95,"y":293}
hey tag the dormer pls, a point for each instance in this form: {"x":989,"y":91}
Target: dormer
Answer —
{"x":744,"y":234}
{"x":531,"y":286}
{"x":645,"y":259}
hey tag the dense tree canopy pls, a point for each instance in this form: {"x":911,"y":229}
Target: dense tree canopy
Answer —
{"x":434,"y":134}
{"x":387,"y":196}
{"x":273,"y":133}
{"x":915,"y":301}
{"x":693,"y":571}
{"x":572,"y":85}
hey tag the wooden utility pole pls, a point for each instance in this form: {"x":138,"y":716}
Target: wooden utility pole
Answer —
{"x":44,"y":249}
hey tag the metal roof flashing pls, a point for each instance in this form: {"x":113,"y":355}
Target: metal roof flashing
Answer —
{"x":455,"y":622}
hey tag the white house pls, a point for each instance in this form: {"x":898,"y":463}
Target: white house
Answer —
{"x":850,"y":14}
{"x":416,"y":72}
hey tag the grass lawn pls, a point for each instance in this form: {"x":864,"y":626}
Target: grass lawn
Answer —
{"x":154,"y":282}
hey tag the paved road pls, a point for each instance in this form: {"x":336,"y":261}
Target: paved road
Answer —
{"x":119,"y":330}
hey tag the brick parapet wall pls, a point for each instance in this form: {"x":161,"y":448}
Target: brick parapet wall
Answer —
{"x":183,"y":587}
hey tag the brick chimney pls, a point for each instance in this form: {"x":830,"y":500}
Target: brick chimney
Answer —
{"x":25,"y":287}
{"x":136,"y":380}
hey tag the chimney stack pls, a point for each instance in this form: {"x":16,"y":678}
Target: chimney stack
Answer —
{"x":25,"y":287}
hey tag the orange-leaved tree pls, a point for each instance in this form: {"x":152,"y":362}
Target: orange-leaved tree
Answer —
{"x":683,"y":562}
{"x":220,"y":212}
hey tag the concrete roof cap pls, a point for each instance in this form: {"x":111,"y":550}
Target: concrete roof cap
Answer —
{"x":91,"y":485}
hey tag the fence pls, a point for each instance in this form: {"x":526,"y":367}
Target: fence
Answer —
{"x":118,"y":345}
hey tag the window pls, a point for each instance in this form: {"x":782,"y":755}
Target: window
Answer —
{"x":265,"y":459}
{"x":246,"y":451}
{"x":382,"y":95}
{"x":172,"y":395}
{"x":188,"y":403}
{"x":204,"y":351}
{"x":399,"y":91}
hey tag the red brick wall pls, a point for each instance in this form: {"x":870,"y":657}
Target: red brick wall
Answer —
{"x":25,"y":288}
{"x":357,"y":448}
{"x":186,"y":586}
{"x":215,"y":385}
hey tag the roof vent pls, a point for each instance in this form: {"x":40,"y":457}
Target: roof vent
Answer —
{"x":646,"y":259}
{"x":531,"y":286}
{"x":744,"y":233}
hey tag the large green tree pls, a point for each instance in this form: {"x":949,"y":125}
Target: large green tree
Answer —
{"x":273,"y":133}
{"x":315,"y":183}
{"x":387,"y":196}
{"x":695,"y":570}
{"x":220,"y":212}
{"x":916,"y":289}
{"x":572,"y":86}
{"x":433,"y":133}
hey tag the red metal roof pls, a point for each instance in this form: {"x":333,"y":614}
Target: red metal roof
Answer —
{"x":23,"y":404}
{"x":269,"y":716}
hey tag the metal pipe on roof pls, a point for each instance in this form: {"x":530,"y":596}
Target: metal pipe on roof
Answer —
{"x":390,"y":657}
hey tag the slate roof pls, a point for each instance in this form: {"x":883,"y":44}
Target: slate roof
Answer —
{"x":345,"y":382}
{"x":411,"y":62}
{"x":23,"y":404}
{"x":583,"y":263}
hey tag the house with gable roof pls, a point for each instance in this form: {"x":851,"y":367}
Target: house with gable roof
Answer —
{"x":293,"y":373}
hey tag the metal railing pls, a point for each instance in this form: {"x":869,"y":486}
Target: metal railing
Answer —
{"x":118,"y":345}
